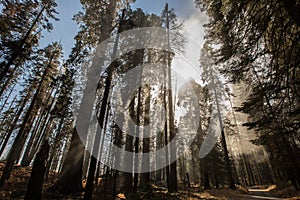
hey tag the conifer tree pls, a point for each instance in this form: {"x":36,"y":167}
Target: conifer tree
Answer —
{"x":22,"y":23}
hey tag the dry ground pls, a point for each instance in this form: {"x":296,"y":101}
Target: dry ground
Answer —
{"x":15,"y":188}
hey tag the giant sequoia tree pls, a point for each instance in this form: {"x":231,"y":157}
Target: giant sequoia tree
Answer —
{"x":96,"y":23}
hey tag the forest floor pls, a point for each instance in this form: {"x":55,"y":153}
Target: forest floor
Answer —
{"x":15,"y":188}
{"x":288,"y":193}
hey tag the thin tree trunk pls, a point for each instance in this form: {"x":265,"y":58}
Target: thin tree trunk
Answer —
{"x":166,"y":145}
{"x":15,"y":54}
{"x":14,"y":123}
{"x":16,"y":148}
{"x":145,"y":177}
{"x":239,"y":139}
{"x":136,"y":164}
{"x":93,"y":161}
{"x":223,"y":139}
{"x":138,"y":121}
{"x":102,"y":144}
{"x":7,"y":98}
{"x":27,"y":154}
{"x":25,"y":161}
{"x":5,"y":117}
{"x":128,"y":177}
{"x":41,"y":137}
{"x":171,"y":125}
{"x":26,"y":133}
{"x":55,"y":146}
{"x":188,"y":179}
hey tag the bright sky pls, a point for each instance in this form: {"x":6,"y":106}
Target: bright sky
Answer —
{"x":65,"y":29}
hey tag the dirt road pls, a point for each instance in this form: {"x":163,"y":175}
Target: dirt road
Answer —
{"x":260,"y":194}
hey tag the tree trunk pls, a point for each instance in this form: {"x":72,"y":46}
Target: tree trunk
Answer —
{"x":171,"y":126}
{"x":223,"y":139}
{"x":145,"y":177}
{"x":36,"y":180}
{"x":93,"y":161}
{"x":7,"y":98}
{"x":7,"y":118}
{"x":14,"y":123}
{"x":54,"y":148}
{"x":206,"y":181}
{"x":69,"y":181}
{"x":28,"y":155}
{"x":136,"y":165}
{"x":15,"y":54}
{"x":16,"y":148}
{"x":188,"y":180}
{"x":128,"y":177}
